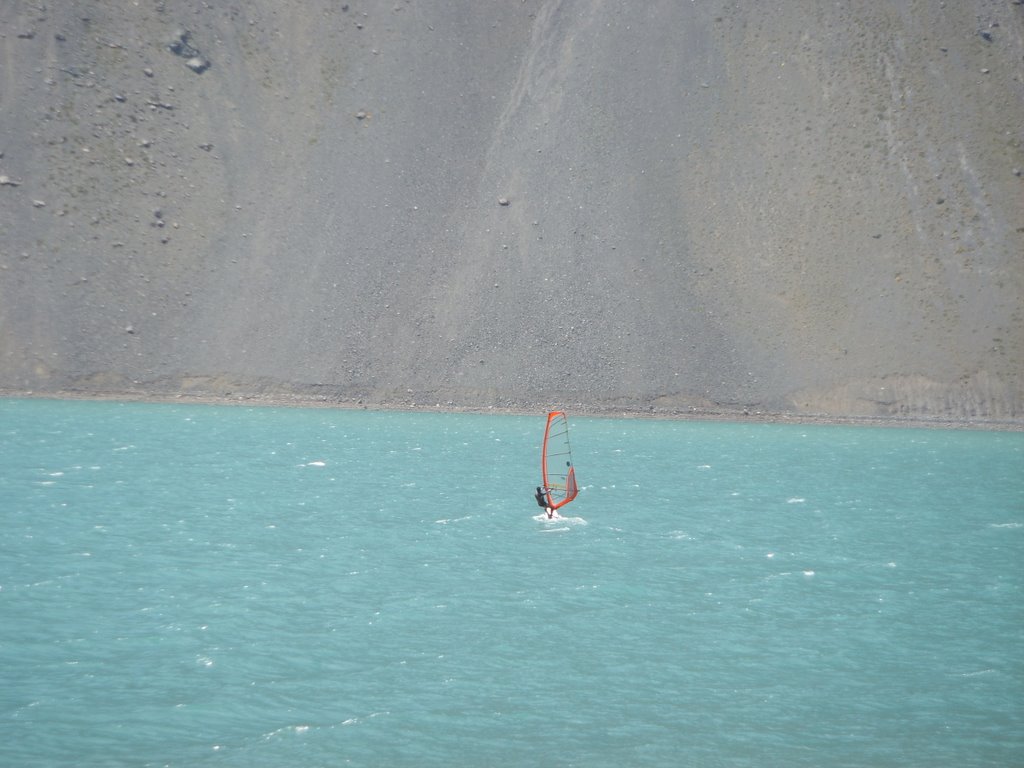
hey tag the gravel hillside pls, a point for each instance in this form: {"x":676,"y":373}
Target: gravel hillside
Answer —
{"x":793,"y":207}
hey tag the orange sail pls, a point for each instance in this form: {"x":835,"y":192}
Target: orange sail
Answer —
{"x":557,"y":471}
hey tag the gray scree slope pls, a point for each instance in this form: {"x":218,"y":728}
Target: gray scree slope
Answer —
{"x":798,"y":207}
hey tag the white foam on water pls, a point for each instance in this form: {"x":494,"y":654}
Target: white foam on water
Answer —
{"x":445,"y":521}
{"x":543,"y":518}
{"x":978,"y":673}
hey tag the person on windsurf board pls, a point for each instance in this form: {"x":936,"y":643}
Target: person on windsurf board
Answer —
{"x":542,"y":502}
{"x":558,"y":477}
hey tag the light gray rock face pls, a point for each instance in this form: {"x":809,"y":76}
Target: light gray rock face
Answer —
{"x":813,"y":208}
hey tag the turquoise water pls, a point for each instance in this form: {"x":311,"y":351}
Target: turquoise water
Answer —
{"x":225,"y":586}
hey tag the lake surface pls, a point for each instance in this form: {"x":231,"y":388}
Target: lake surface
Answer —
{"x":187,"y":585}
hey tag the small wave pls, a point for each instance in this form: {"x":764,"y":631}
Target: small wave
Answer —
{"x":977,"y":673}
{"x":445,"y":521}
{"x":317,"y":464}
{"x":1006,"y":525}
{"x":357,"y":720}
{"x":288,"y":730}
{"x":795,"y":500}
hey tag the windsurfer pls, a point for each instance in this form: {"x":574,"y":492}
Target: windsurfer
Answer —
{"x":542,"y":501}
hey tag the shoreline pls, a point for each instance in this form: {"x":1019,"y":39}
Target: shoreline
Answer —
{"x":742,"y":416}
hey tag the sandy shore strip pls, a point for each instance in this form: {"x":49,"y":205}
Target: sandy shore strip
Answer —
{"x":288,"y":400}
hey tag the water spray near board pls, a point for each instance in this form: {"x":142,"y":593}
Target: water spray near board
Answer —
{"x":558,"y":475}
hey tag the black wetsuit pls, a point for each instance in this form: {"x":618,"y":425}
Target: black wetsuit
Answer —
{"x":542,"y":500}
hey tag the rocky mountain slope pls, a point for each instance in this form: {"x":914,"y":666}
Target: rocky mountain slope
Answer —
{"x":667,"y":206}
